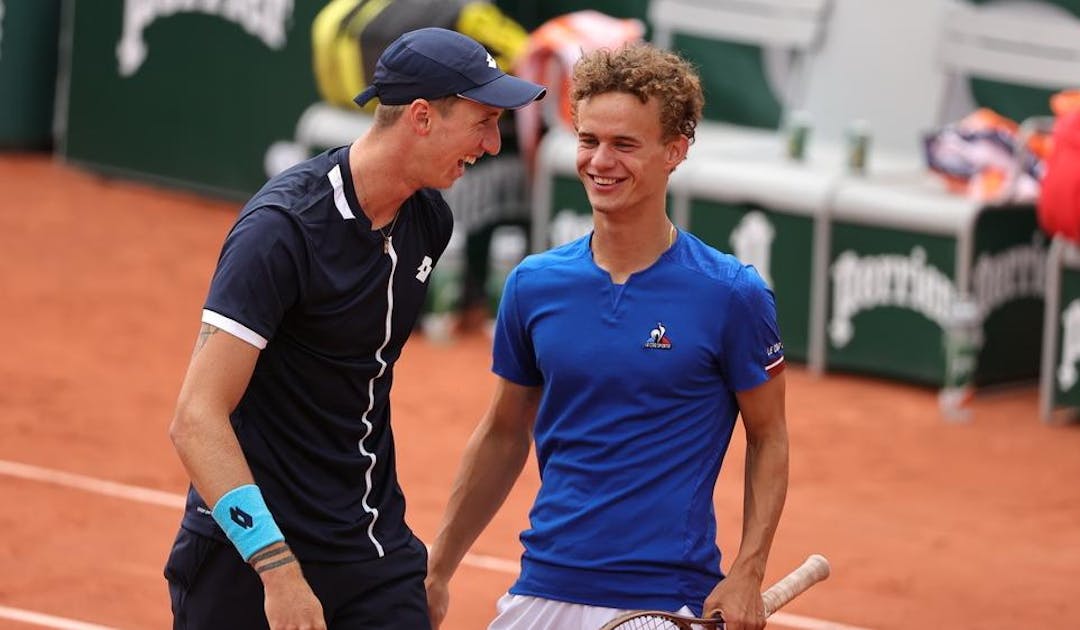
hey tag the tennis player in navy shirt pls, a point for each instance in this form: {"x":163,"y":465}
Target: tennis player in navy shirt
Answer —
{"x":295,"y":518}
{"x":626,"y":356}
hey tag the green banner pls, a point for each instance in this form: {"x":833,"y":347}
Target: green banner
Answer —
{"x":891,"y":291}
{"x":1008,"y":282}
{"x":1066,"y":370}
{"x":889,"y":295}
{"x":190,"y":92}
{"x":29,"y":32}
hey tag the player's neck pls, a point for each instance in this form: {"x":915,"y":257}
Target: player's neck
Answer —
{"x":377,"y":179}
{"x":623,"y":245}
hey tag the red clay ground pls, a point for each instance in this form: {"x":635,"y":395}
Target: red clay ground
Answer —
{"x":926,"y":523}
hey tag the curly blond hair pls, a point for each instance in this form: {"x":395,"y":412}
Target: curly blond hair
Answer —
{"x":644,"y":71}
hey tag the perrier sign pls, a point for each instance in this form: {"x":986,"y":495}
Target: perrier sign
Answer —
{"x":191,"y":92}
{"x":891,"y":293}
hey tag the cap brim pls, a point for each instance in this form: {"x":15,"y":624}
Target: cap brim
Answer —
{"x":506,"y":92}
{"x":365,"y":96}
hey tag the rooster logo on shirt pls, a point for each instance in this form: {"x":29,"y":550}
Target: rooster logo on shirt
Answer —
{"x":658,"y":339}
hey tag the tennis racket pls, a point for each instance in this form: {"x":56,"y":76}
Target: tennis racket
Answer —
{"x":814,"y":570}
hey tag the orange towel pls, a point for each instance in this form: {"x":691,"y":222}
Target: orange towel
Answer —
{"x":549,"y":57}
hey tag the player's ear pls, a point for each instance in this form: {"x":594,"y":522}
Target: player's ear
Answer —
{"x":419,"y":114}
{"x":675,"y":151}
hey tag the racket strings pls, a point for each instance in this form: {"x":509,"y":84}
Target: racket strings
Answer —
{"x":661,"y":622}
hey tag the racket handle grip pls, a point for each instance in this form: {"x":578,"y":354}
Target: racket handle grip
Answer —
{"x":814,"y":570}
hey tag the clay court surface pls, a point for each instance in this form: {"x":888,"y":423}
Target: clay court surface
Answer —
{"x":927,"y":524}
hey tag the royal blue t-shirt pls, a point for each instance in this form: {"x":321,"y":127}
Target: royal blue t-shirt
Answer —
{"x":637,"y":411}
{"x":303,"y":277}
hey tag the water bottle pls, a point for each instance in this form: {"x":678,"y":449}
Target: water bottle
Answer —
{"x":962,"y":340}
{"x":509,"y":245}
{"x":441,"y":310}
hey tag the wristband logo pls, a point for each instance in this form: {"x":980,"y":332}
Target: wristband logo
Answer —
{"x":241,"y":518}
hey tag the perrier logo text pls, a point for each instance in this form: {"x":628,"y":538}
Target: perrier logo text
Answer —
{"x":265,"y":19}
{"x":862,"y":283}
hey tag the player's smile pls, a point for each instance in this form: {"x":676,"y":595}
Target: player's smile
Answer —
{"x":468,"y":160}
{"x":603,"y":183}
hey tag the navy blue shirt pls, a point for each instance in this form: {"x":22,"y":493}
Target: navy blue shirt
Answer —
{"x":303,"y":277}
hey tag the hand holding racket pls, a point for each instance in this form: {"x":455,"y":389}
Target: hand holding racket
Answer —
{"x":814,"y":570}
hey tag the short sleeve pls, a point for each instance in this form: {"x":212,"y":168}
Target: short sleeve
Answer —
{"x":752,"y":348}
{"x":258,"y":277}
{"x":513,"y":355}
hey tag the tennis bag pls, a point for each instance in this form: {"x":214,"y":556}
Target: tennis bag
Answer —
{"x":349,"y":35}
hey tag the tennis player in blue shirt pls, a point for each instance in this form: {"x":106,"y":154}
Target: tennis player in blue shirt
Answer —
{"x":295,"y":518}
{"x":627,"y":356}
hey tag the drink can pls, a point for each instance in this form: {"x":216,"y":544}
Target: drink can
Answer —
{"x":858,"y":141}
{"x":798,"y":134}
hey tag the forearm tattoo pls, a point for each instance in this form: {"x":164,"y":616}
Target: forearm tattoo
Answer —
{"x":204,"y":333}
{"x":272,"y":559}
{"x":262,"y":568}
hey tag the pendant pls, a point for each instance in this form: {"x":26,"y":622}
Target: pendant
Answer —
{"x":386,"y":245}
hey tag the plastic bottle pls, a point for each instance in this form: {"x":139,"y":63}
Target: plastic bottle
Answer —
{"x":962,"y":340}
{"x":509,"y":244}
{"x":442,"y":307}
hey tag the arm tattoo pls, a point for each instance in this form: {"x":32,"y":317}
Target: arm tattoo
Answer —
{"x":204,"y":333}
{"x":259,"y":557}
{"x":278,"y":556}
{"x":263,"y":568}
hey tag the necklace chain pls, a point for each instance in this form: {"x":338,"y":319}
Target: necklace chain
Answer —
{"x":671,"y":235}
{"x":393,"y":223}
{"x":387,"y":233}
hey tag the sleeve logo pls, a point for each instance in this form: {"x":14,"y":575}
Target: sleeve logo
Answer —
{"x":424,"y":269}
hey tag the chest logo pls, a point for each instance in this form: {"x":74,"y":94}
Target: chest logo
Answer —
{"x":424,"y":270}
{"x":658,"y":339}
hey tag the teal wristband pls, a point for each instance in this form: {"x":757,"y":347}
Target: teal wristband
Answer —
{"x":243,"y":514}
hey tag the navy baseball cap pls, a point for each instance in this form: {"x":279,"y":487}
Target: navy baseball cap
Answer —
{"x":433,"y":63}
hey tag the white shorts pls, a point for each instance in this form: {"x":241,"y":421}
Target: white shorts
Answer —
{"x":522,"y":612}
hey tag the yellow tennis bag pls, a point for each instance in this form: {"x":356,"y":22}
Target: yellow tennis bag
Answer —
{"x":349,"y":35}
